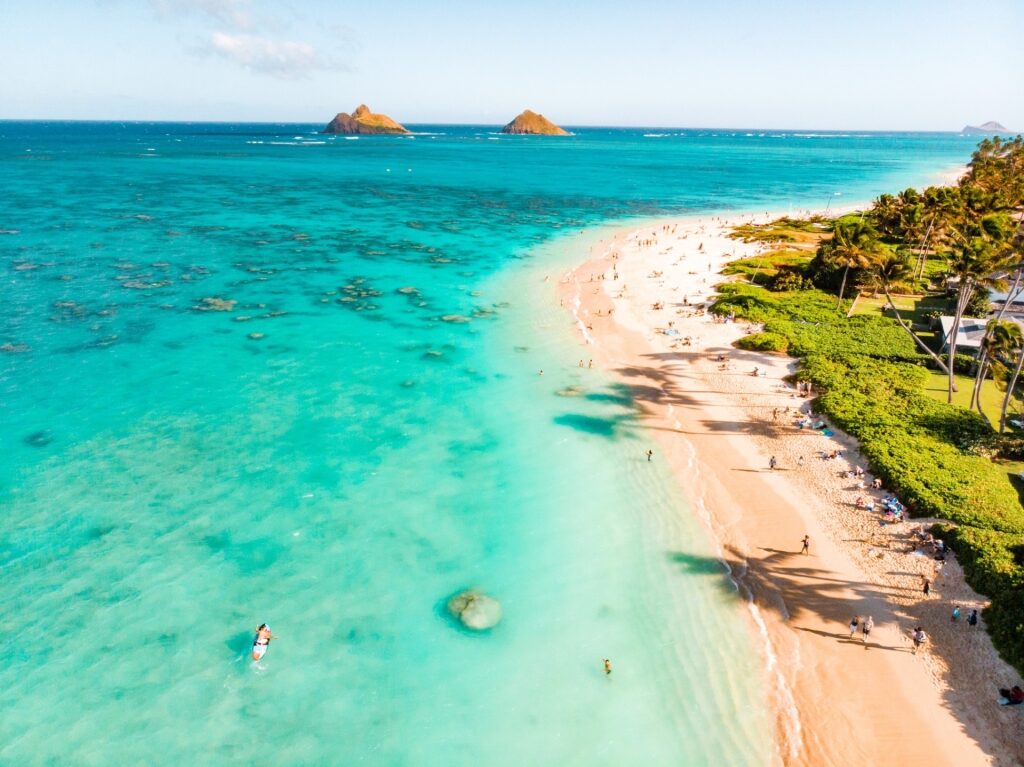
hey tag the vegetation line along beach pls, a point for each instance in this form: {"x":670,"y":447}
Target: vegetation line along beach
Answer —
{"x":850,"y":387}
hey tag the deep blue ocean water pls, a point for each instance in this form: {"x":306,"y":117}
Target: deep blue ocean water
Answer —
{"x":229,"y":395}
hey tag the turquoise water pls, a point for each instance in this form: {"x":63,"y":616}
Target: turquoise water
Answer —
{"x":330,"y":456}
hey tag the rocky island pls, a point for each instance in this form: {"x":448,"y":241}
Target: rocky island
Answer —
{"x":533,"y":124}
{"x":364,"y":122}
{"x":990,"y":128}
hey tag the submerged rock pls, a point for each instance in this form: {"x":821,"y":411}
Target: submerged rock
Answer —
{"x":214,"y":304}
{"x":143,"y":285}
{"x":475,"y":610}
{"x":456,"y":318}
{"x":38,"y":439}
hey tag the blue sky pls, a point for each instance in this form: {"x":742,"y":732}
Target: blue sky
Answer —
{"x":901,"y":64}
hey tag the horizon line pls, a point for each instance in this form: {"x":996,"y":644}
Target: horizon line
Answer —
{"x":488,"y":125}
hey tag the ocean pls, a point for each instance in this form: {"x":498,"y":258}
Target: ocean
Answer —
{"x":250,"y":373}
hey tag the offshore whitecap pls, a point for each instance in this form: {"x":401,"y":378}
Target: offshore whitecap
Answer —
{"x":254,"y":375}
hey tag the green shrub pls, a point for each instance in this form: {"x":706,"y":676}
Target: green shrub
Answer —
{"x":764,"y":342}
{"x":978,"y":305}
{"x":788,"y":278}
{"x":963,"y":364}
{"x":872,"y":379}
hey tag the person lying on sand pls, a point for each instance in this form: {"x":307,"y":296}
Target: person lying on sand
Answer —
{"x":1014,"y":696}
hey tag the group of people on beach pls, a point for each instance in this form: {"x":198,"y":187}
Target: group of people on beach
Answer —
{"x":865,"y":626}
{"x":894,"y":512}
{"x":917,"y":636}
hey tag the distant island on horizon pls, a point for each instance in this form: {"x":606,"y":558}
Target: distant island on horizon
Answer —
{"x":986,"y":129}
{"x":529,"y":123}
{"x":364,"y":122}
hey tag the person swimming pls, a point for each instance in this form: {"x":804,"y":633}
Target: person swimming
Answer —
{"x":262,"y":641}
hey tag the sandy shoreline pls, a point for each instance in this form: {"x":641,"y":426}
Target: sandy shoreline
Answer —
{"x":837,"y":701}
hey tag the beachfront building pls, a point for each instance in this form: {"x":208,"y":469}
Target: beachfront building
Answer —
{"x":1014,"y":304}
{"x":972,"y":330}
{"x":968,"y":337}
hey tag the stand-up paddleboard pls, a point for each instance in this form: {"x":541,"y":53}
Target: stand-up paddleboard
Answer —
{"x":260,"y":644}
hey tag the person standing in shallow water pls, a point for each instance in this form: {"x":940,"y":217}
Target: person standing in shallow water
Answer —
{"x":607,"y":667}
{"x":649,"y":454}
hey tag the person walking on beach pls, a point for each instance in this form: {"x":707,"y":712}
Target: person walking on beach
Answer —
{"x":607,"y":667}
{"x":649,"y":454}
{"x":927,"y":587}
{"x":866,"y":628}
{"x":853,"y":626}
{"x":956,"y":614}
{"x":972,"y":619}
{"x":805,"y":545}
{"x":919,"y":639}
{"x":772,"y":463}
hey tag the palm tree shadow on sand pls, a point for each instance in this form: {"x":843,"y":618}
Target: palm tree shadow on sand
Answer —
{"x":824,"y":596}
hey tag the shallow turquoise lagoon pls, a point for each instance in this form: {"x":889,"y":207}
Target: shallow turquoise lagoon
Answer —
{"x":219,"y":408}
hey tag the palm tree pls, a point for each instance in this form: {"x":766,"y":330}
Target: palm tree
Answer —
{"x":1009,"y":390}
{"x":889,"y":268}
{"x":997,"y":170}
{"x":985,"y":352}
{"x":853,"y":245}
{"x":976,"y":262}
{"x":903,"y":219}
{"x":1001,"y":344}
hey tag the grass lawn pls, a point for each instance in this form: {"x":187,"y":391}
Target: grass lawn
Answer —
{"x":991,"y":396}
{"x":911,"y":308}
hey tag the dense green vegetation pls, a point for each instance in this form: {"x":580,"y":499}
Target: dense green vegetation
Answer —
{"x":764,"y":342}
{"x":873,"y":369}
{"x":761,"y":270}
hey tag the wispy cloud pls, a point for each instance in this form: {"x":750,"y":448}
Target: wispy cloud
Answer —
{"x":236,"y":14}
{"x":279,"y":58}
{"x":238,"y":31}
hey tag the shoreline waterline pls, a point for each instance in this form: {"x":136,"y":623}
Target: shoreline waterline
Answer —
{"x":787,"y":743}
